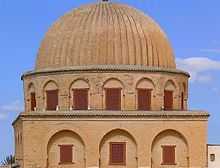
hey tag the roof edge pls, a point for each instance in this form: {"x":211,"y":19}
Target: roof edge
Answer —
{"x":104,"y":113}
{"x":213,"y":145}
{"x":105,"y":68}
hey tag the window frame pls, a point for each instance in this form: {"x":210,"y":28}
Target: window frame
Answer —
{"x":47,"y":104}
{"x":73,"y":99}
{"x":212,"y":157}
{"x":106,"y":99}
{"x":164,"y":162}
{"x":150,"y":100}
{"x":33,"y":102}
{"x":111,"y":162}
{"x":165,"y":100}
{"x":60,"y":159}
{"x":182,"y":100}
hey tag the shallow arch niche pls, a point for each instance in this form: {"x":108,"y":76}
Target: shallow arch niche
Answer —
{"x":145,"y":84}
{"x":79,"y":84}
{"x":66,"y":138}
{"x":118,"y":136}
{"x":31,"y":88}
{"x":170,"y":86}
{"x":170,"y":137}
{"x":50,"y":85}
{"x":113,"y":83}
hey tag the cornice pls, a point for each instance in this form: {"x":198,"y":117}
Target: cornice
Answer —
{"x":104,"y":68}
{"x":115,"y":115}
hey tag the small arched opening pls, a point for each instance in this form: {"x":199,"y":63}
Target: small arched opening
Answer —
{"x":66,"y":149}
{"x":51,"y":93}
{"x":169,"y":149}
{"x":183,"y":97}
{"x":79,"y":91}
{"x":113,"y":94}
{"x":144,"y":88}
{"x":32,"y":97}
{"x":118,"y":148}
{"x":169,"y":91}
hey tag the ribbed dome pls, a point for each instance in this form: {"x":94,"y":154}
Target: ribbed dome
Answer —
{"x":105,"y":34}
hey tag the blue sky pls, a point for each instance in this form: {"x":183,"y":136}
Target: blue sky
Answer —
{"x":193,"y":28}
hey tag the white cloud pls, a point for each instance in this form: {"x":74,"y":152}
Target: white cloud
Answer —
{"x":15,"y":106}
{"x":199,"y":67}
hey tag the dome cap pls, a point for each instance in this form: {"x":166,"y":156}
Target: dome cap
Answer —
{"x":105,"y":34}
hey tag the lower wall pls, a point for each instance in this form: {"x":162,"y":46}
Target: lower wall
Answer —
{"x":144,"y":139}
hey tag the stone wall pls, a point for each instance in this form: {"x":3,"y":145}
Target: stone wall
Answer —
{"x":214,"y":150}
{"x":129,"y":82}
{"x":187,"y":130}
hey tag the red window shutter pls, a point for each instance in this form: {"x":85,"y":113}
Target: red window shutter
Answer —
{"x":113,"y":99}
{"x":80,"y":99}
{"x":66,"y":153}
{"x":52,"y":99}
{"x":168,"y":100}
{"x":168,"y":155}
{"x":182,"y":101}
{"x":144,"y":99}
{"x":33,"y":101}
{"x":117,"y":153}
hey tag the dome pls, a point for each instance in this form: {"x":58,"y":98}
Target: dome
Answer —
{"x":105,"y":34}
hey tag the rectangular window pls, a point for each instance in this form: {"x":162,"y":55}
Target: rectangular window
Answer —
{"x":212,"y":157}
{"x":168,"y":155}
{"x":144,"y":99}
{"x":52,"y":99}
{"x":80,"y":99}
{"x":33,"y":101}
{"x":117,"y":153}
{"x":66,"y":154}
{"x":168,"y":100}
{"x":113,"y":99}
